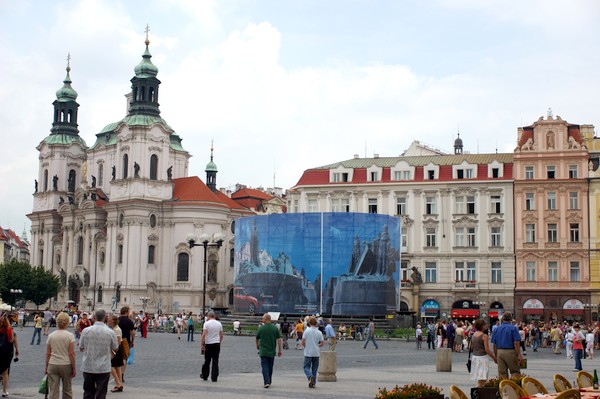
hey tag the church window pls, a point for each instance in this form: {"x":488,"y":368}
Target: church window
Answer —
{"x":72,"y":175}
{"x":183,"y":266}
{"x":70,"y":116}
{"x":45,"y":179}
{"x":100,"y":174}
{"x":135,"y":94}
{"x":151,"y":94}
{"x":99,"y":299}
{"x":125,"y":165}
{"x":153,"y":167}
{"x":231,"y":257}
{"x":151,"y":250}
{"x":80,"y":251}
{"x":121,"y":220}
{"x":143,"y":94}
{"x":120,"y":253}
{"x":102,"y":256}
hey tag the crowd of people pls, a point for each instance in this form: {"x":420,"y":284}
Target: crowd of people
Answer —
{"x":506,"y":342}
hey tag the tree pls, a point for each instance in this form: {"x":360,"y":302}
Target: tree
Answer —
{"x":45,"y":285}
{"x":14,"y":275}
{"x":38,"y":285}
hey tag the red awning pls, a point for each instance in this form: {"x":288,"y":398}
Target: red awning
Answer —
{"x":465,"y":313}
{"x":432,"y":310}
{"x":533,"y":311}
{"x":572,"y":311}
{"x":493,"y":313}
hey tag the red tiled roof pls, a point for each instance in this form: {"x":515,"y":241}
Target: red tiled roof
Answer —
{"x":192,"y":189}
{"x":250,"y":193}
{"x":15,"y":237}
{"x":3,"y":236}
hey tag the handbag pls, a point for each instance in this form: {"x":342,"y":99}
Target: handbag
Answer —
{"x":469,"y":359}
{"x":125,"y":345}
{"x":43,"y":389}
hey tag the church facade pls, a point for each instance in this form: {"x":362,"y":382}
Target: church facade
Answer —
{"x":114,"y":219}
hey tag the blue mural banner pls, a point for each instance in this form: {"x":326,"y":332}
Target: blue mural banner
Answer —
{"x":329,"y":263}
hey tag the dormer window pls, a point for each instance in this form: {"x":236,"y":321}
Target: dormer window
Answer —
{"x":374,"y":176}
{"x":431,"y":175}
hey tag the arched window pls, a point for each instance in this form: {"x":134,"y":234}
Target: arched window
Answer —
{"x":120,"y":253}
{"x":151,"y":250}
{"x":125,"y":165}
{"x":45,"y":179}
{"x":151,"y":94}
{"x":70,"y":116}
{"x":121,"y":220}
{"x":100,"y":174}
{"x":118,"y":293}
{"x":135,"y":94}
{"x":230,"y":297}
{"x":143,"y":94}
{"x":56,"y":115}
{"x":80,"y":251}
{"x":232,"y":257}
{"x":72,"y":175}
{"x":183,"y":267}
{"x":99,"y":298}
{"x":153,"y":167}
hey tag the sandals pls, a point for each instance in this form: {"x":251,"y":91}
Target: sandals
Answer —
{"x":117,"y":389}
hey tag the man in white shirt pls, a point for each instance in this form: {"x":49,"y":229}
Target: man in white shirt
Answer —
{"x":212,"y":336}
{"x":312,"y":340}
{"x":97,"y":343}
{"x":236,"y":327}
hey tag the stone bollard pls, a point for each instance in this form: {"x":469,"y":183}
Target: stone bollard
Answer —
{"x":443,"y":359}
{"x":327,"y":366}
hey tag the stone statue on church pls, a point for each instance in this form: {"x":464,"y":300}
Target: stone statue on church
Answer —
{"x":36,"y":185}
{"x":63,"y":277}
{"x":61,"y":200}
{"x":170,"y":173}
{"x":93,"y":181}
{"x":55,"y":182}
{"x":86,"y":278}
{"x":136,"y":169}
{"x":114,"y":172}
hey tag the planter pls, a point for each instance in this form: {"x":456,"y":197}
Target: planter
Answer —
{"x":485,"y":393}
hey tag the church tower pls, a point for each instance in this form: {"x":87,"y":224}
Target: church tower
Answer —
{"x":211,"y":172}
{"x":62,"y":169}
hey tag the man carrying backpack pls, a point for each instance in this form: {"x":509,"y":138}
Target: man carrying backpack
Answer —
{"x":285,"y":332}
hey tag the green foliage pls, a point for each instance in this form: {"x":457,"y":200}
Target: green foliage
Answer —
{"x":38,"y":285}
{"x":46,"y":285}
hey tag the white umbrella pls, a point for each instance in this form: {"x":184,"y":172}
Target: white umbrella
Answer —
{"x":5,"y":306}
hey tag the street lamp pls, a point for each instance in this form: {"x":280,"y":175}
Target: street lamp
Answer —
{"x":216,"y":241}
{"x":144,"y":300}
{"x":15,"y":292}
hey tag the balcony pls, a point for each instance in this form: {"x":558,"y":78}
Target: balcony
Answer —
{"x":405,"y":284}
{"x":466,"y":285}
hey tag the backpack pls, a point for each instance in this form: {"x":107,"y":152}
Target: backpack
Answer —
{"x":285,"y":327}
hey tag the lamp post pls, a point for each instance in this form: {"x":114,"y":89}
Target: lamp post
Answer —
{"x":15,"y":292}
{"x":206,"y":241}
{"x":144,"y":300}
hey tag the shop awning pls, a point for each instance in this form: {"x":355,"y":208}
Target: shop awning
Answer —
{"x":533,"y":311}
{"x":493,"y":313}
{"x":572,"y":311}
{"x":432,"y":310}
{"x":465,"y":313}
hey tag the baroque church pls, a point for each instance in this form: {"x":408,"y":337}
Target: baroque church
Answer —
{"x":113,"y":220}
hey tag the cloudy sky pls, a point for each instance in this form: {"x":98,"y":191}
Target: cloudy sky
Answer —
{"x":283,"y":86}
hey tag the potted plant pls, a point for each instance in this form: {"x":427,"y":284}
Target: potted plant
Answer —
{"x":489,"y":390}
{"x":410,"y":391}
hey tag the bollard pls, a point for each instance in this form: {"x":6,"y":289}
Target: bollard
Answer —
{"x":327,"y":366}
{"x":443,"y":359}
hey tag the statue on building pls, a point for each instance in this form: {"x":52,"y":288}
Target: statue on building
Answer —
{"x":170,"y":173}
{"x":212,"y":270}
{"x":63,"y":278}
{"x":114,"y":172}
{"x":36,"y":185}
{"x":55,"y":182}
{"x":416,"y":276}
{"x":93,"y":181}
{"x":61,"y":200}
{"x":550,"y":141}
{"x":86,"y":278}
{"x":528,"y":146}
{"x":136,"y":169}
{"x":573,"y":144}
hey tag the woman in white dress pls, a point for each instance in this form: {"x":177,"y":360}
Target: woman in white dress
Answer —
{"x":480,"y":350}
